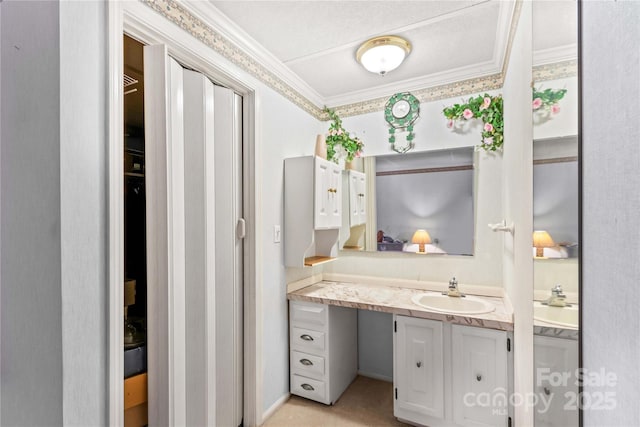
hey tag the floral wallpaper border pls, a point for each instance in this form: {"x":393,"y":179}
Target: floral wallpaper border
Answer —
{"x":558,"y":70}
{"x":174,"y":12}
{"x":177,"y":14}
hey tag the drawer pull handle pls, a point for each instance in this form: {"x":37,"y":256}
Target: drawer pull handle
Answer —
{"x":306,"y":362}
{"x":479,"y":377}
{"x":306,"y":337}
{"x":307,"y":387}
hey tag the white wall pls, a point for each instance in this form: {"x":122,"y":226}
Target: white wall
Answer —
{"x":32,"y":357}
{"x":517,"y":196}
{"x":83,"y":207}
{"x":286,"y":131}
{"x":565,"y":123}
{"x":611,"y":202}
{"x":485,"y":267}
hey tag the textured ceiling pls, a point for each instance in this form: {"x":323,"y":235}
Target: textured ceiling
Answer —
{"x":452,"y":40}
{"x":317,"y":40}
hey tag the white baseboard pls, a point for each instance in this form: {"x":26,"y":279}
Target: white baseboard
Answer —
{"x":273,"y":408}
{"x":375,"y":376}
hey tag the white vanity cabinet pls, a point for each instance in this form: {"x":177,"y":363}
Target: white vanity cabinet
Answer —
{"x":312,"y":210}
{"x":555,"y":361}
{"x":418,"y":373}
{"x":323,"y":350}
{"x":479,"y":376}
{"x":357,"y":198}
{"x":450,"y":375}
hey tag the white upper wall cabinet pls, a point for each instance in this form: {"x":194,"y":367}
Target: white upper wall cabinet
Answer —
{"x":312,"y":210}
{"x":328,"y":194}
{"x":357,"y":198}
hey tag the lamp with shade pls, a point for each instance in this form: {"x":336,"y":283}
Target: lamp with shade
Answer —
{"x":421,"y":237}
{"x":541,"y":240}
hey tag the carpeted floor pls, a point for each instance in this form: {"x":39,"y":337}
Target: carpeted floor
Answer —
{"x":366,"y":402}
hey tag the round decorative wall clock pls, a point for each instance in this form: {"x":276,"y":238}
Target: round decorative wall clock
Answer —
{"x":400,"y":112}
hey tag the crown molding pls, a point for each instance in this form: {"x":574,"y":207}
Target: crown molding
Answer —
{"x":430,"y":94}
{"x":555,"y":55}
{"x":207,"y":24}
{"x":430,"y":82}
{"x":222,"y":25}
{"x":188,"y":21}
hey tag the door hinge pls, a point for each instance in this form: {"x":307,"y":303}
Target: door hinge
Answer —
{"x":508,"y":344}
{"x":509,"y":423}
{"x":395,"y":326}
{"x":396,"y":393}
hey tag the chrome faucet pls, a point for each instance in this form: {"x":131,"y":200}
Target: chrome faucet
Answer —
{"x":557,"y":298}
{"x":453,"y":289}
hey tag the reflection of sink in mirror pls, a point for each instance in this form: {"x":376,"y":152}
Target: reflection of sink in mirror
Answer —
{"x":446,"y":304}
{"x":565,"y":317}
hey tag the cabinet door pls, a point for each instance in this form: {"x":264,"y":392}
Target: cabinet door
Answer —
{"x":323,"y":191}
{"x":335,"y":197}
{"x":555,"y":361}
{"x":357,"y":199}
{"x":479,"y":376}
{"x":418,"y":369}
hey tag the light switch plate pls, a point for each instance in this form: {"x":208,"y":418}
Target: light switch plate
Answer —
{"x":276,"y":234}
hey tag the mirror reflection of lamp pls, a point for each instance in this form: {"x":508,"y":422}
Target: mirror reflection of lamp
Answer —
{"x":421,"y":237}
{"x":541,"y":240}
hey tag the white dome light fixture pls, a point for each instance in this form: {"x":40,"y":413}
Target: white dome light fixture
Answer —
{"x":383,"y":54}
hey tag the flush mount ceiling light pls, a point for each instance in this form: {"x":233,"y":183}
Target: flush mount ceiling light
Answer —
{"x":383,"y":54}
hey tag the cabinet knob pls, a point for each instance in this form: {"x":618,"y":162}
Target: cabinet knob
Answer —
{"x":306,"y":362}
{"x":307,"y":387}
{"x":306,"y":337}
{"x":419,"y":364}
{"x":547,"y":391}
{"x":479,"y":377}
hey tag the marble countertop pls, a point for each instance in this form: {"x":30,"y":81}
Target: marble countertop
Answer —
{"x":397,"y":300}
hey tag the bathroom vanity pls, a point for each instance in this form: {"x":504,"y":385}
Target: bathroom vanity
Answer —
{"x":449,"y":368}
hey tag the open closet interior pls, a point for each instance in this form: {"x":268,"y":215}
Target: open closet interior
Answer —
{"x":135,"y":262}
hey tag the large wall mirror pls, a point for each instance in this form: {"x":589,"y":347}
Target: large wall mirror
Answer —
{"x":555,"y":237}
{"x":423,"y":202}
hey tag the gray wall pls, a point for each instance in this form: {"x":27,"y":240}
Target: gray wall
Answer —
{"x":611,"y":203}
{"x":31,"y":360}
{"x":375,"y":344}
{"x":53,"y":213}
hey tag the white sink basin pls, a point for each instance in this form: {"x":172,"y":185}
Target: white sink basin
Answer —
{"x":566,"y":317}
{"x":446,"y":304}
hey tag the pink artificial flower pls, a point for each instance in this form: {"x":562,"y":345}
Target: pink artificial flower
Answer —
{"x":339,"y":131}
{"x":488,"y":127}
{"x":358,"y":153}
{"x":486,"y":103}
{"x":467,"y":114}
{"x":488,"y":141}
{"x":450,"y":124}
{"x":555,"y":109}
{"x":537,"y":103}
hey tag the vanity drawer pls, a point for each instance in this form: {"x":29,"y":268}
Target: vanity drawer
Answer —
{"x":307,"y":364}
{"x":307,"y":340}
{"x":308,"y":314}
{"x":309,"y":388}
